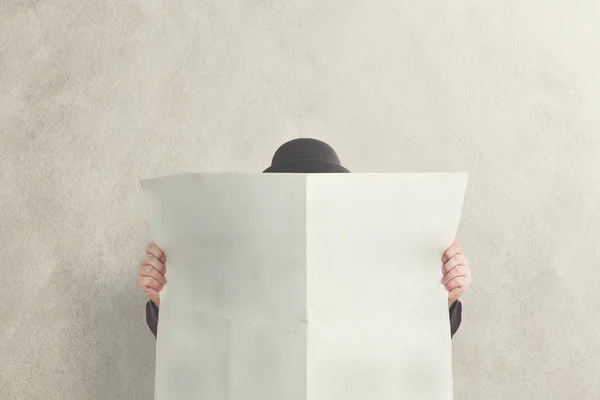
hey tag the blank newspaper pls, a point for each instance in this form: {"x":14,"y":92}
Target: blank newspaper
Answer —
{"x":304,"y":286}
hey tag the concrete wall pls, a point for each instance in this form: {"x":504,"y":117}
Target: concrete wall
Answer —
{"x":97,"y":94}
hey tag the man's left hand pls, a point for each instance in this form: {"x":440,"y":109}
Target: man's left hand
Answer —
{"x":456,"y":271}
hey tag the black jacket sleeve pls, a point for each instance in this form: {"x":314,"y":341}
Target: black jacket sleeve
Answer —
{"x":455,"y":316}
{"x":152,"y":316}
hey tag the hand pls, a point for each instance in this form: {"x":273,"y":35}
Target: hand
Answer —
{"x":457,"y":274}
{"x":151,"y":272}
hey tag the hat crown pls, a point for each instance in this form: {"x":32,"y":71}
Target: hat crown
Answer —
{"x":305,"y":149}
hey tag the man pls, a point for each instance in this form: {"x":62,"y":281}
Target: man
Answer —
{"x":304,"y":156}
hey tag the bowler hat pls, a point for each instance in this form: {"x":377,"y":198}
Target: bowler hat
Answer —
{"x":306,"y":155}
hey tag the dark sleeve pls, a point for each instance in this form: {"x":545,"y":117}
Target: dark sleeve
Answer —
{"x":152,"y":316}
{"x":455,"y":317}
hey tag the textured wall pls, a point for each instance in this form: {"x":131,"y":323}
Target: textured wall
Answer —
{"x":97,"y":94}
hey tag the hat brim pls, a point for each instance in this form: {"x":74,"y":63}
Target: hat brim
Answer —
{"x":307,"y":167}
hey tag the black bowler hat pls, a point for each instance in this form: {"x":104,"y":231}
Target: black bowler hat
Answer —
{"x":306,"y":156}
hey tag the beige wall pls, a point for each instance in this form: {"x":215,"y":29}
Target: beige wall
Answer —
{"x":95,"y":95}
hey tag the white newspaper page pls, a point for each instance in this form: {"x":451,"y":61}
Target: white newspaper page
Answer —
{"x":378,"y":314}
{"x":232,"y":317}
{"x":295,"y":287}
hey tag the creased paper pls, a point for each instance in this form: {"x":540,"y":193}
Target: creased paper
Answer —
{"x":304,"y":287}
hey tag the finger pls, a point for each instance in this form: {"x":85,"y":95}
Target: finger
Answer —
{"x":458,"y":271}
{"x":457,"y":283}
{"x":450,"y":252}
{"x":145,"y":282}
{"x":454,"y":261}
{"x":151,"y":272}
{"x":157,"y":252}
{"x":155,"y":263}
{"x":462,"y":281}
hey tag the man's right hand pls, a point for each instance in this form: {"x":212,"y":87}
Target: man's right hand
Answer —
{"x":151,"y":272}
